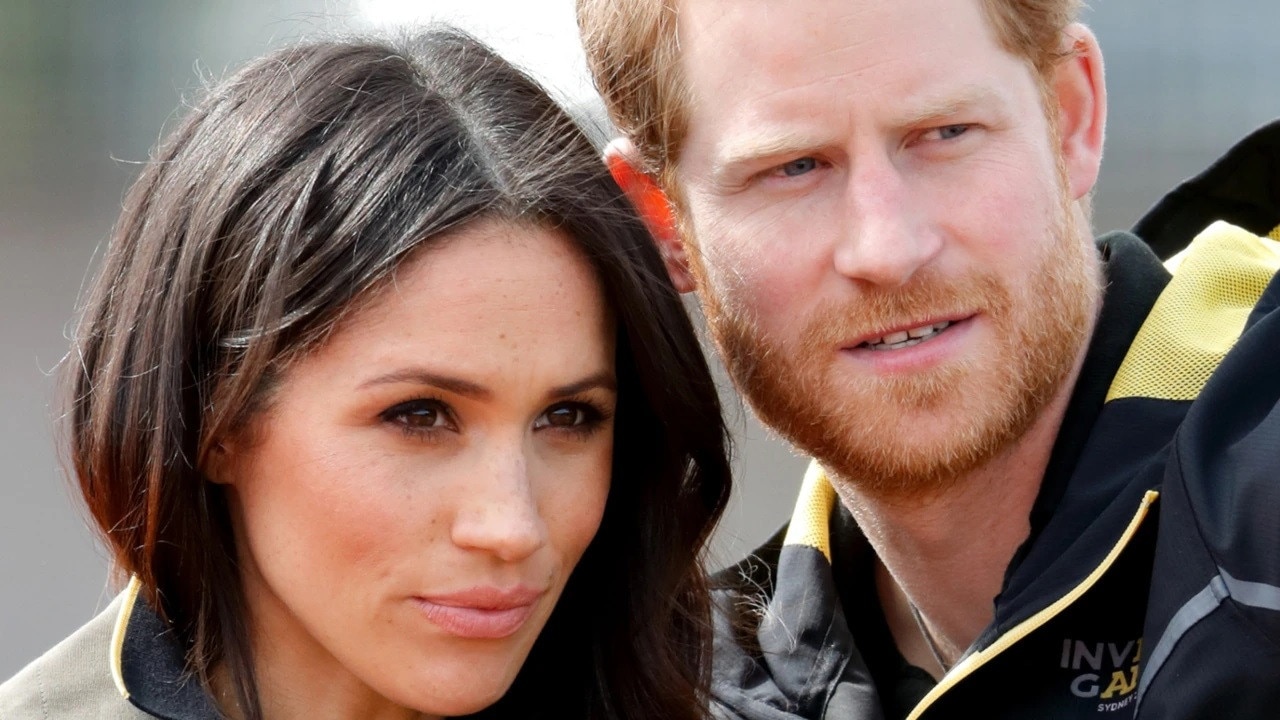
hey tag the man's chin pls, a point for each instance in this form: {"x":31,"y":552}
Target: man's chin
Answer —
{"x":916,"y":454}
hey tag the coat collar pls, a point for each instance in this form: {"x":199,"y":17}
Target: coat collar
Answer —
{"x":148,"y":664}
{"x":1242,"y":188}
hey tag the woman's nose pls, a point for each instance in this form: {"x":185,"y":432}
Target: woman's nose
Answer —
{"x":499,"y":511}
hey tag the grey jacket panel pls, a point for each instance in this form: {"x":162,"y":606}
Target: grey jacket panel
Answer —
{"x":72,"y":680}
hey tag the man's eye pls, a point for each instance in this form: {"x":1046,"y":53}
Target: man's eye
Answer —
{"x":798,"y":167}
{"x":950,"y":132}
{"x":419,"y":415}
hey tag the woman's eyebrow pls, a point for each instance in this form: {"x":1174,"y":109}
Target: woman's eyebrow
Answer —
{"x":422,"y":376}
{"x":603,"y":379}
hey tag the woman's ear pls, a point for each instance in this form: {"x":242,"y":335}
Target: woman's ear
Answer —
{"x":1082,"y":108}
{"x":654,"y":209}
{"x":217,"y":464}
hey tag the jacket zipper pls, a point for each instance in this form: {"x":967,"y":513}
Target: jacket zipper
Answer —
{"x":971,"y":664}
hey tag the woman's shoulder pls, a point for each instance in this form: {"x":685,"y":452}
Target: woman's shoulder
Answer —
{"x":72,"y":680}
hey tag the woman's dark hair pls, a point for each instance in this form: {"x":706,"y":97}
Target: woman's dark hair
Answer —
{"x":291,"y":192}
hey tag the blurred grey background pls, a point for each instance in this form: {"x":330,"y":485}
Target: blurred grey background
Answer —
{"x":86,"y":88}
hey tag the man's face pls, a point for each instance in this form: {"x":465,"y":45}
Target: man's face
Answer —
{"x":881,"y":230}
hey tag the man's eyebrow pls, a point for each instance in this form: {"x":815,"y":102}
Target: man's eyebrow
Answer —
{"x":931,"y":108}
{"x":753,"y":148}
{"x":421,"y":376}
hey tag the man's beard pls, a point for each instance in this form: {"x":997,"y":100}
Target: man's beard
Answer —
{"x":866,"y":429}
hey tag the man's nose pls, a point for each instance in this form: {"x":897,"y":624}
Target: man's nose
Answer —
{"x":883,"y":240}
{"x":499,"y":511}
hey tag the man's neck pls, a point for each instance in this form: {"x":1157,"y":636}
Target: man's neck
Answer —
{"x":946,"y":554}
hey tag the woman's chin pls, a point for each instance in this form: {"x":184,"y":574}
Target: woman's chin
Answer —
{"x":453,"y":692}
{"x":455,"y":703}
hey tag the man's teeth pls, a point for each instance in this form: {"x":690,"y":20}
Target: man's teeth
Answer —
{"x":906,"y":338}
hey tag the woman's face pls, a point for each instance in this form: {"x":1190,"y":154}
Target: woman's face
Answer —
{"x":411,"y":503}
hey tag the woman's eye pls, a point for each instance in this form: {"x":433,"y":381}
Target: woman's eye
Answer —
{"x":568,"y":416}
{"x":798,"y":167}
{"x":420,"y":415}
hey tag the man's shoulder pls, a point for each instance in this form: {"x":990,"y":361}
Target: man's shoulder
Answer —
{"x":71,"y":680}
{"x":1238,"y":188}
{"x":1228,"y":462}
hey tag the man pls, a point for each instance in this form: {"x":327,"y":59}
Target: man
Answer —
{"x":1047,"y":471}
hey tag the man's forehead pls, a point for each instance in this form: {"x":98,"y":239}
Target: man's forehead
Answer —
{"x":715,"y":34}
{"x":753,"y":65}
{"x":743,"y":48}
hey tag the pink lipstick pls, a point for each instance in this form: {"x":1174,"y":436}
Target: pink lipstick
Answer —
{"x":481,"y":612}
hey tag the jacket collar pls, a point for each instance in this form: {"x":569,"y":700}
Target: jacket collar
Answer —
{"x":149,"y":665}
{"x":1241,"y":188}
{"x":1212,"y":215}
{"x":1134,"y":280}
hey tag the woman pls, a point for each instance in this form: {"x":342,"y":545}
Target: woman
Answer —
{"x":385,"y":405}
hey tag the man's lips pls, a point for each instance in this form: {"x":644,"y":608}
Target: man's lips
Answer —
{"x":904,"y":335}
{"x":481,"y":612}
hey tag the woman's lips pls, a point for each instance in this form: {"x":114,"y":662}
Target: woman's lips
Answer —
{"x":481,"y":613}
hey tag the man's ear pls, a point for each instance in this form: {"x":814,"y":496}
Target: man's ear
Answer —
{"x":654,"y":209}
{"x":1082,"y":108}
